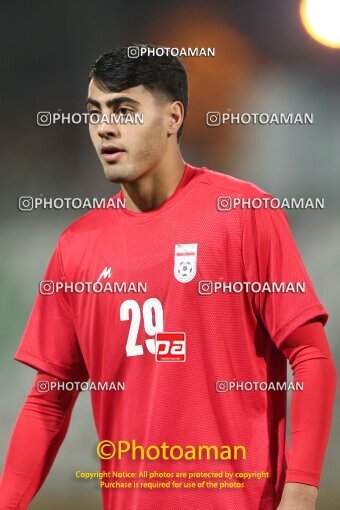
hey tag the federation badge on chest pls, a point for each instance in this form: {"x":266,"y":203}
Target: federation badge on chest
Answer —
{"x":185,"y":262}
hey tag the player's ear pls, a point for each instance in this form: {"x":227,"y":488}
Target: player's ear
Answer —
{"x":175,"y":117}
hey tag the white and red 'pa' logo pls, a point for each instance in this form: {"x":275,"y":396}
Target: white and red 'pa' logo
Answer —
{"x":170,"y":346}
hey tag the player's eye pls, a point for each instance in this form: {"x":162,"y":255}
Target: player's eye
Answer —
{"x":95,"y":116}
{"x":123,"y":110}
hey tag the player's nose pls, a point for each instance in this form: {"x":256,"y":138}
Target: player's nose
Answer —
{"x":107,"y":130}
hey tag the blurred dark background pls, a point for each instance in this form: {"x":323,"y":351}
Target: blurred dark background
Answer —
{"x":265,"y":62}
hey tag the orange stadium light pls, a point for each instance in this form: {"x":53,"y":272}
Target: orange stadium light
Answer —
{"x":321,"y":19}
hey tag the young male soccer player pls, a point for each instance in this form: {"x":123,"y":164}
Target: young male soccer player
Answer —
{"x":176,"y":239}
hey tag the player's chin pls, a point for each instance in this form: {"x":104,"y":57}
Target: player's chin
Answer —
{"x":113,"y":175}
{"x":117,"y":174}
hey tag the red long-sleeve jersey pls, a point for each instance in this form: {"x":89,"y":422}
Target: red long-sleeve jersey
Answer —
{"x":172,"y":269}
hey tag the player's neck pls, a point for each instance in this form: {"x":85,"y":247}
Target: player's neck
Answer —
{"x":156,"y":186}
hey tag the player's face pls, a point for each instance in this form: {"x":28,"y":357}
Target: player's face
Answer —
{"x":126,"y":150}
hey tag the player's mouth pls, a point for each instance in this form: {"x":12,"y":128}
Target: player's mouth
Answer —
{"x":111,"y":152}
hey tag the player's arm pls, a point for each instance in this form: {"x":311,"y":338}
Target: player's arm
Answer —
{"x":311,"y":413}
{"x":294,"y":322}
{"x":37,"y":435}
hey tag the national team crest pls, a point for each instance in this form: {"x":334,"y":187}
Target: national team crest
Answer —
{"x":185,"y":262}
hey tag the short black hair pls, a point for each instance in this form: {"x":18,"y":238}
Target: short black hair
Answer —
{"x":116,"y":70}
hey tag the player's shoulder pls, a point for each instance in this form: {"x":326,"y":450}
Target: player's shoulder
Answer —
{"x":90,"y":223}
{"x":230,"y":185}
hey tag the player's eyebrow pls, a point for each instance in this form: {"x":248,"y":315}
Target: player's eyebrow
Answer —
{"x":113,"y":102}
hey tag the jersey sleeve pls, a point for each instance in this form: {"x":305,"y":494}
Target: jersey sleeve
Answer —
{"x":270,"y":255}
{"x":49,"y":342}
